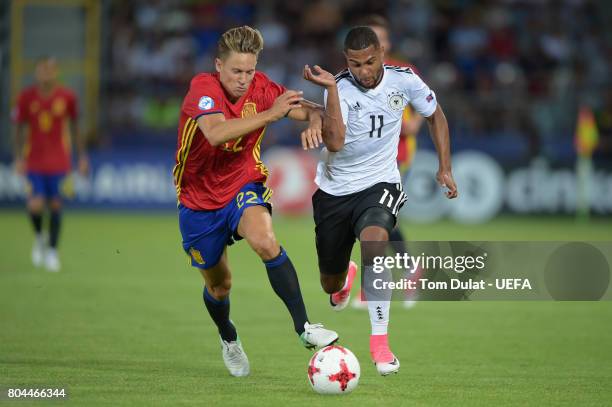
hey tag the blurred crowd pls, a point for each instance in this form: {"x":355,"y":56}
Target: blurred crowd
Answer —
{"x":517,"y":68}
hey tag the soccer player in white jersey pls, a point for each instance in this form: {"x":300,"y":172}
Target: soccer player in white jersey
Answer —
{"x":360,"y":191}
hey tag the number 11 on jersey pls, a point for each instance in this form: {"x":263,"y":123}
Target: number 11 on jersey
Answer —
{"x":380,"y":119}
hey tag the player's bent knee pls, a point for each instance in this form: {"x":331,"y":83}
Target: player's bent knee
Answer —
{"x":374,"y":224}
{"x":220,"y":291}
{"x":374,"y":234}
{"x":55,"y":204}
{"x":36,"y":204}
{"x":266,"y":247}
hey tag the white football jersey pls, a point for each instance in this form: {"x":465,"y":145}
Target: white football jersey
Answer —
{"x":373,"y":120}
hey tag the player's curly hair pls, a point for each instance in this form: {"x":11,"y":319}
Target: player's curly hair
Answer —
{"x":359,"y":38}
{"x":243,"y":40}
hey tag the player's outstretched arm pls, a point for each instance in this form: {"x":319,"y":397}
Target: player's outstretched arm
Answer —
{"x":333,"y":125}
{"x":438,"y":129}
{"x":217,"y":130}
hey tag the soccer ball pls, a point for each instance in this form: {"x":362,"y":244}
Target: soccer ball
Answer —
{"x":333,"y":370}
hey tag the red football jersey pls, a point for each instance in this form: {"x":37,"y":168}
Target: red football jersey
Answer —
{"x":48,"y":146}
{"x":208,"y":177}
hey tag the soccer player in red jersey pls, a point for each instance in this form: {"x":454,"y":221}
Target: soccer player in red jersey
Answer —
{"x":220,"y":183}
{"x":46,"y":117}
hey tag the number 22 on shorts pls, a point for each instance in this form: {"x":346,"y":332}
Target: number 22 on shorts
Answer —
{"x":251,"y":198}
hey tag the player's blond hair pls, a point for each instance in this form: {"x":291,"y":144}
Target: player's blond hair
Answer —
{"x":243,"y":40}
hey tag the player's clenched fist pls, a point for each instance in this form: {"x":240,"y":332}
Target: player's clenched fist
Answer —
{"x":285,"y":103}
{"x":319,"y":76}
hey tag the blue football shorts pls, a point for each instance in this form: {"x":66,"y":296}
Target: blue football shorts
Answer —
{"x":44,"y":185}
{"x":206,"y":233}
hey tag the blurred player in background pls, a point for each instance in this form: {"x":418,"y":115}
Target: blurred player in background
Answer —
{"x":411,"y":123}
{"x":46,"y":121}
{"x":220,"y":182}
{"x":360,"y":191}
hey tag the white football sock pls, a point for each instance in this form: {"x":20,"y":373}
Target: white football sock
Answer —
{"x":379,"y":316}
{"x":378,"y":308}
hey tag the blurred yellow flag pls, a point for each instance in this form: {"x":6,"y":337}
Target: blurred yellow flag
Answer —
{"x":587,"y":135}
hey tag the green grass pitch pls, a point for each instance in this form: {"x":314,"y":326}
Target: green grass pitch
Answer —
{"x":124,"y":324}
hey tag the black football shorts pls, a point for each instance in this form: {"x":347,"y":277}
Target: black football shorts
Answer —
{"x":336,"y":217}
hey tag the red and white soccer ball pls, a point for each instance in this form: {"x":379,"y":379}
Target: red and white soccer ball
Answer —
{"x":333,"y":370}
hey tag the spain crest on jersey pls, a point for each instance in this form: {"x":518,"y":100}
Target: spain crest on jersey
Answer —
{"x":59,"y":107}
{"x":249,"y":109}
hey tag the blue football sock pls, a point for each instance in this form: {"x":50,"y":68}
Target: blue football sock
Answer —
{"x":36,"y":219}
{"x":219,"y":312}
{"x":285,"y":284}
{"x":55,"y":221}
